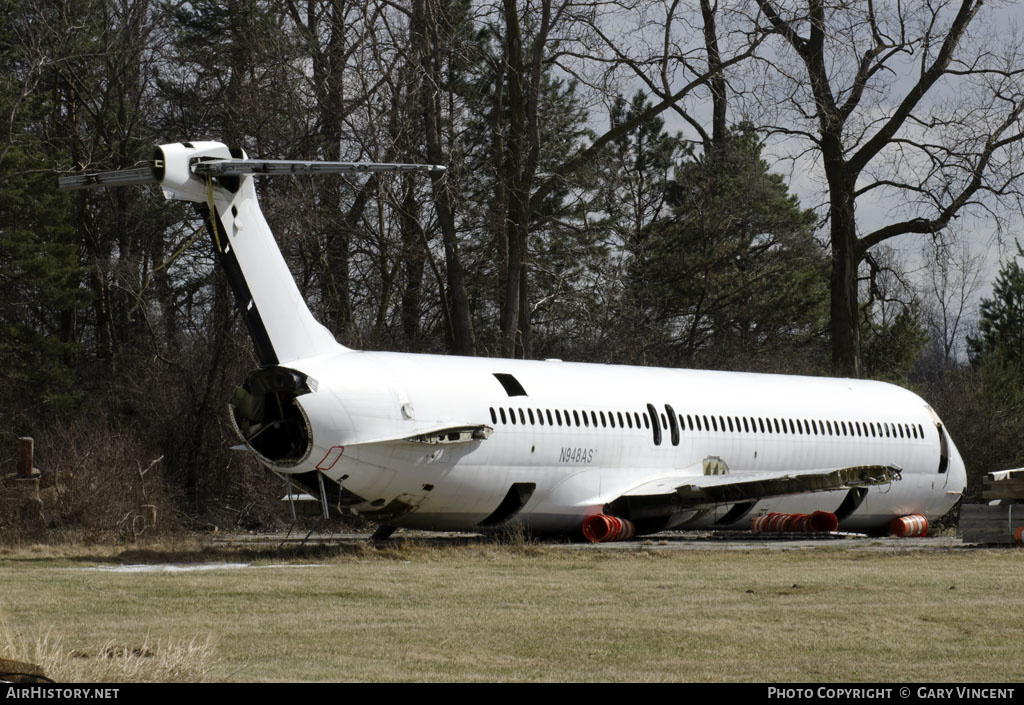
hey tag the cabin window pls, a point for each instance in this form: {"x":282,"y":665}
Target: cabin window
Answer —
{"x":586,"y":421}
{"x":621,"y":424}
{"x":760,"y":424}
{"x":530,"y":412}
{"x":550,"y":420}
{"x":746,"y":426}
{"x":512,"y":415}
{"x":629,"y":420}
{"x":682,"y":423}
{"x":593,"y":417}
{"x":729,"y":419}
{"x":494,"y":417}
{"x":576,"y":416}
{"x":655,"y":427}
{"x":522,"y":417}
{"x":664,"y":423}
{"x":689,"y":421}
{"x":502,"y":412}
{"x":672,"y":421}
{"x":611,"y":419}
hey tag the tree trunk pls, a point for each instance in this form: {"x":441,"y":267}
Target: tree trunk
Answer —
{"x":424,"y":42}
{"x":843,"y":312}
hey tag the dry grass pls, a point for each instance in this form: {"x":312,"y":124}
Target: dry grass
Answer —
{"x":411,"y":611}
{"x":146,"y":661}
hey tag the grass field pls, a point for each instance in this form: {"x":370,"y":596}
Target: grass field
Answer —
{"x":521,"y":613}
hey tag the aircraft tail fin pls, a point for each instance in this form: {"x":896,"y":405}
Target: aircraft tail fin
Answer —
{"x":220,"y":182}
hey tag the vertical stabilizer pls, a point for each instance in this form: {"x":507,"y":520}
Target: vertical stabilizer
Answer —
{"x":220,"y":182}
{"x":281,"y":325}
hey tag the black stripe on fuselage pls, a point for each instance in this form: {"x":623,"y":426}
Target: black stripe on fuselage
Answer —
{"x":236,"y":278}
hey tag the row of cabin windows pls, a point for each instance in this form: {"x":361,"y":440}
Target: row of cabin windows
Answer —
{"x":560,"y":417}
{"x":676,"y":423}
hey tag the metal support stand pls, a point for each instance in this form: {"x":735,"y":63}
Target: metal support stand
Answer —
{"x":323,"y":494}
{"x":291,"y":495}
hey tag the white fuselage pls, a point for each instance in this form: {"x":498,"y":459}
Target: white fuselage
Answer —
{"x":582,"y":435}
{"x":457,"y":443}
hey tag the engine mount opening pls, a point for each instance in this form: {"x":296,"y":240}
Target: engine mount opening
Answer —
{"x":268,"y":418}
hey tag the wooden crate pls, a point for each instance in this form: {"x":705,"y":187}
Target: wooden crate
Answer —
{"x":990,"y":523}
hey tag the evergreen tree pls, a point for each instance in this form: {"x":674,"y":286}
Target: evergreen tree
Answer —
{"x":733,"y":274}
{"x":40,"y":293}
{"x":1001,"y":326}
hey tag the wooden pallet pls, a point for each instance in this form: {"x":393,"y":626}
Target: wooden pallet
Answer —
{"x":990,"y":523}
{"x":1012,"y":489}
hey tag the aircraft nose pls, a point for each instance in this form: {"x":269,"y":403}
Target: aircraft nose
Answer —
{"x":957,"y":482}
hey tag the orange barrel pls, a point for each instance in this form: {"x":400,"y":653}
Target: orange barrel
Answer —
{"x":1018,"y":535}
{"x":796,"y":522}
{"x":822,"y":521}
{"x":909,"y":526}
{"x":601,"y":527}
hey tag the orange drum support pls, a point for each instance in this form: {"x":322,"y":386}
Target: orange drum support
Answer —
{"x":794,"y":523}
{"x":598,"y":528}
{"x":909,"y":526}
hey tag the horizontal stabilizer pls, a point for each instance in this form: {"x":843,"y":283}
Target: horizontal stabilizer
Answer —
{"x":274,"y":167}
{"x":121,"y":177}
{"x":153,"y":172}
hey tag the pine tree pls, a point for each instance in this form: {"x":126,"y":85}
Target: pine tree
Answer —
{"x":1001,"y":325}
{"x":40,"y":293}
{"x":732,"y":276}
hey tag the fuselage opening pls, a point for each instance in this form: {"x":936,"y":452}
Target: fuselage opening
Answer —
{"x":268,"y":418}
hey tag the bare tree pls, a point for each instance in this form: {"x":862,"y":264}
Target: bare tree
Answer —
{"x":914,"y":107}
{"x":953,"y":272}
